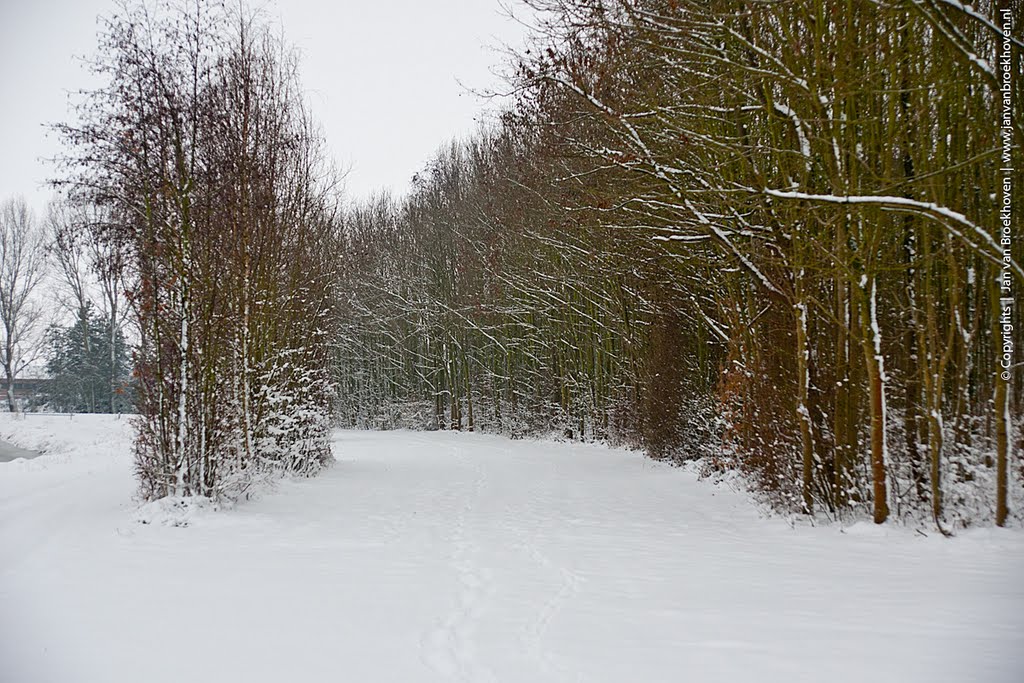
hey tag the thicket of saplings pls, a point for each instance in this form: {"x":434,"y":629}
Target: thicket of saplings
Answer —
{"x":764,"y":234}
{"x":207,"y":186}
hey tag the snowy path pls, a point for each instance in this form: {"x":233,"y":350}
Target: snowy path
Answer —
{"x":458,"y":557}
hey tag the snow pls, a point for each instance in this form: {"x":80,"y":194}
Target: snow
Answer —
{"x":798,"y":126}
{"x":948,"y":217}
{"x":462,"y":557}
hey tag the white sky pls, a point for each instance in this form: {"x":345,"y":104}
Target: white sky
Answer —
{"x":382,"y":79}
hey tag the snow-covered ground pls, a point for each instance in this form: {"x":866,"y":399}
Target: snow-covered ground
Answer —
{"x":437,"y":557}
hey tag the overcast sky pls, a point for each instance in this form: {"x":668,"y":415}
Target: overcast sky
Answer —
{"x":383,"y":78}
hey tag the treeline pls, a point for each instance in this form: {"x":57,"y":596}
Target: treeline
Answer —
{"x":205,"y":175}
{"x":62,"y":308}
{"x":764,"y":233}
{"x":88,"y":360}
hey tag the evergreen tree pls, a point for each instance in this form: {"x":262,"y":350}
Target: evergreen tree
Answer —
{"x":80,"y":367}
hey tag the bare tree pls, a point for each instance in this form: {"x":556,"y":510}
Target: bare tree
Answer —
{"x":89,"y":269}
{"x":22,"y":267}
{"x":68,"y":248}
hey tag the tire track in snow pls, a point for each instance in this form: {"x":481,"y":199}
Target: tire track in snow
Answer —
{"x":450,"y":648}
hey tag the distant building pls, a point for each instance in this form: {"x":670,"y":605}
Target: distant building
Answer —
{"x":28,"y":392}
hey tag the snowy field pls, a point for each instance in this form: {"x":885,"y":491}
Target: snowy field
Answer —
{"x":460,"y":557}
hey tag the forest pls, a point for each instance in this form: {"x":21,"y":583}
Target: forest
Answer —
{"x":764,"y":235}
{"x":775,"y":238}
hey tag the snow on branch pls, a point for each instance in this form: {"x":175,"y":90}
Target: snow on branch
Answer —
{"x":987,"y":245}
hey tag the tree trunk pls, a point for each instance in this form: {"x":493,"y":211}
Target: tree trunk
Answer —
{"x":802,"y":409}
{"x":113,"y":358}
{"x":871,"y":342}
{"x":469,"y":395}
{"x":11,"y":405}
{"x":1002,"y":414}
{"x":9,"y":371}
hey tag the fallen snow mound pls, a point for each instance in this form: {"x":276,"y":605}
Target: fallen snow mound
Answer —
{"x":175,"y":510}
